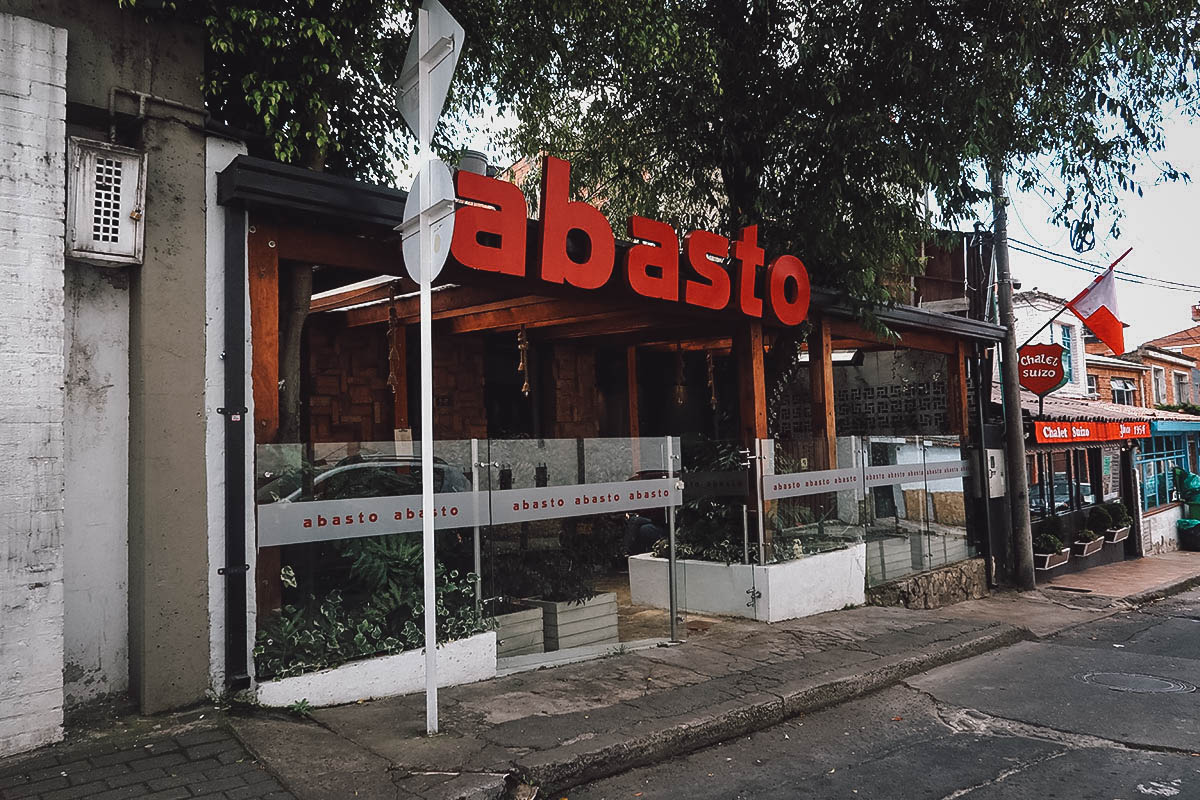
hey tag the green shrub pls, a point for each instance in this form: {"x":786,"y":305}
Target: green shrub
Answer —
{"x":1046,"y":542}
{"x":1099,"y":519}
{"x":379,"y":611}
{"x":1119,"y":513}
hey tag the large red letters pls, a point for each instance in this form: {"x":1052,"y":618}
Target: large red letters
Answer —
{"x":789,"y":311}
{"x":701,"y":248}
{"x":749,"y":257}
{"x":489,"y":235}
{"x":560,"y":216}
{"x":662,"y":255}
{"x":506,"y":221}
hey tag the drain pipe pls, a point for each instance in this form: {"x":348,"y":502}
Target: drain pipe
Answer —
{"x":143,"y":99}
{"x":234,"y":411}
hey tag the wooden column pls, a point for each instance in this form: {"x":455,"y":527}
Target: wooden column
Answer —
{"x":956,"y":386}
{"x":632,"y":383}
{"x":752,"y":383}
{"x":262,"y":250}
{"x":820,"y":380}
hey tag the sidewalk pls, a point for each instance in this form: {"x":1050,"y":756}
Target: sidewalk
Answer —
{"x":558,"y":727}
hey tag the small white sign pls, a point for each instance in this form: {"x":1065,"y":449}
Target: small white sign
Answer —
{"x":286,"y":522}
{"x":802,"y":484}
{"x":438,"y":216}
{"x":555,"y":502}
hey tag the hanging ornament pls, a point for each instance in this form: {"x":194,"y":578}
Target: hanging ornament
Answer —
{"x":680,"y":388}
{"x":523,"y":365}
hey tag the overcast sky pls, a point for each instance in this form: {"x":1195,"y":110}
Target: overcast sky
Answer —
{"x":1158,"y":226}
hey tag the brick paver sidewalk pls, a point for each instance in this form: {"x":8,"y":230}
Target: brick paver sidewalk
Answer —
{"x":204,"y":763}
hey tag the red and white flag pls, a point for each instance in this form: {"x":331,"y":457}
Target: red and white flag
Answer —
{"x":1096,"y":306}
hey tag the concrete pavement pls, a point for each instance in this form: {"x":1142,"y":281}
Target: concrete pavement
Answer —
{"x":1106,"y":709}
{"x":556,"y":728}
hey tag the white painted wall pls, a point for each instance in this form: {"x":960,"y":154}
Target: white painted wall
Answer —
{"x":1031,"y":314}
{"x":33,"y":72}
{"x":96,"y":509}
{"x":218,"y":154}
{"x":1158,"y":530}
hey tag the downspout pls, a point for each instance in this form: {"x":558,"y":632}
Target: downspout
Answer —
{"x":984,"y":484}
{"x":234,"y":411}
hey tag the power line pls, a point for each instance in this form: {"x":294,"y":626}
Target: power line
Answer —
{"x":1087,"y":266}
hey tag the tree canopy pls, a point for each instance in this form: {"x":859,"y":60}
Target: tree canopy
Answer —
{"x":827,"y":122}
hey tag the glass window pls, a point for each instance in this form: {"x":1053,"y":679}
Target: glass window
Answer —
{"x":1181,"y":388}
{"x":1093,"y":385}
{"x":1068,"y":351}
{"x":1123,"y":391}
{"x":1160,"y":385}
{"x":1156,"y":464}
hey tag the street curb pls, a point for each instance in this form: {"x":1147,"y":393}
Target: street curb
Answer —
{"x":580,"y":766}
{"x":1164,"y":591}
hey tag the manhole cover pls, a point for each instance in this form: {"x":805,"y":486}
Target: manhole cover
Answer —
{"x":1134,"y":682}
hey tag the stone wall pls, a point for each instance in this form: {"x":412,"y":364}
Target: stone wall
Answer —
{"x":33,"y":67}
{"x":574,"y":412}
{"x":966,"y":580}
{"x":350,"y":400}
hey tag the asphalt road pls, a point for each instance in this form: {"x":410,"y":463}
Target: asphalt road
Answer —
{"x":1107,"y":711}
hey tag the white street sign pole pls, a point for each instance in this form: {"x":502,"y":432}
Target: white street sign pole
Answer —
{"x":429,"y":215}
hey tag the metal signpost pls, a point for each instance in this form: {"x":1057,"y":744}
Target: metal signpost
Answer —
{"x":427,"y":229}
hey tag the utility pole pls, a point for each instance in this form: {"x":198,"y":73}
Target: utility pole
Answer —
{"x":1014,"y":451}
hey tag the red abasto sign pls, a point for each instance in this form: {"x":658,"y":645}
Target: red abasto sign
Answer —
{"x":1040,"y":368}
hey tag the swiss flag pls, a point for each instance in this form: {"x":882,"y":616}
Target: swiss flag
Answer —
{"x":1097,"y":307}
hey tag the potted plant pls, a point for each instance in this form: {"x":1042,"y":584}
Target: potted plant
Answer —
{"x":1048,"y":549}
{"x":1121,"y":524}
{"x":573,"y":614}
{"x":1087,"y":542}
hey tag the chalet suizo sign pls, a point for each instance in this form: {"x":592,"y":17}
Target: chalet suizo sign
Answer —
{"x":1040,"y":368}
{"x":490,"y":235}
{"x":1088,"y":431}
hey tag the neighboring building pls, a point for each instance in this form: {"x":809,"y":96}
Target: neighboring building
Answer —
{"x":1185,"y":343}
{"x":1032,"y":310}
{"x":110,"y":507}
{"x":1117,"y":380}
{"x":1170,"y":375}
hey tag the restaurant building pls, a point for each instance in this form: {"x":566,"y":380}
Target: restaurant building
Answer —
{"x":594,"y":400}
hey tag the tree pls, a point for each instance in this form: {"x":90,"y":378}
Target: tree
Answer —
{"x":827,"y":122}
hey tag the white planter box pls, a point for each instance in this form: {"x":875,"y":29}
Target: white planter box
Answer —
{"x":462,"y":661}
{"x":809,"y":585}
{"x":569,"y":624}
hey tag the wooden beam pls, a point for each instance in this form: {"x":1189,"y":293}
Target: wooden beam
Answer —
{"x":263,"y":271}
{"x":446,"y":303}
{"x":820,"y":382}
{"x":956,"y":385}
{"x":549,"y":312}
{"x":340,"y":249}
{"x":353,"y":297}
{"x":752,"y":382}
{"x":916,"y":340}
{"x":263,"y":265}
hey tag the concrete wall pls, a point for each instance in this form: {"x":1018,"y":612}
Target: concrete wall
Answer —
{"x":168,"y":521}
{"x":96,"y":517}
{"x":1158,"y":530}
{"x":33,"y":65}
